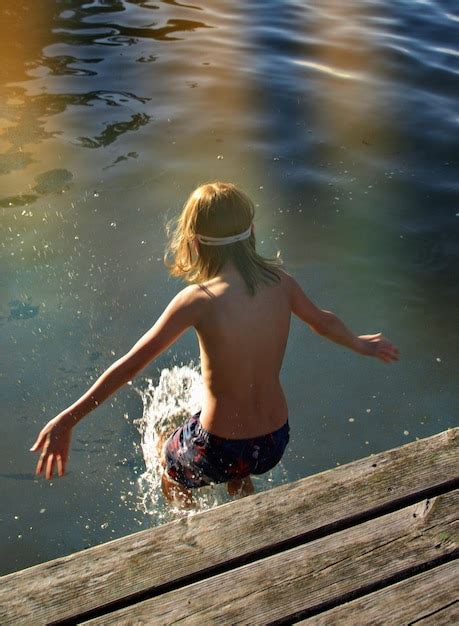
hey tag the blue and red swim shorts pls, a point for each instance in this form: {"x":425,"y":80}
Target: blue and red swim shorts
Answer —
{"x":195,"y":457}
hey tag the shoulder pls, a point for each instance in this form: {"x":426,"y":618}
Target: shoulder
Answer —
{"x":188,"y":298}
{"x":188,"y":294}
{"x":300,"y":304}
{"x":288,"y":283}
{"x":189,"y":301}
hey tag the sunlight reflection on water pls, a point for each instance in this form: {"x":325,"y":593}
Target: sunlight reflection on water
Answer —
{"x":339,"y":118}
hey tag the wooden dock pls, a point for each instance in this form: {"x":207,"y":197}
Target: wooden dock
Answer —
{"x":371,"y":542}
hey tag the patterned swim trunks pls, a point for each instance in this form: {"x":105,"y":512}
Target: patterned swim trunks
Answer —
{"x":195,"y":457}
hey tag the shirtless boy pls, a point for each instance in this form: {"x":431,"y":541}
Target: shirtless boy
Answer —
{"x":239,"y":304}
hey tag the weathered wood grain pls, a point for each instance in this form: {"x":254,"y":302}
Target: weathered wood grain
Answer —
{"x":448,"y":615}
{"x":103,"y":574}
{"x":418,"y":598}
{"x":305,"y":577}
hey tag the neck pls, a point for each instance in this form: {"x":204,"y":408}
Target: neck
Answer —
{"x":229,"y":269}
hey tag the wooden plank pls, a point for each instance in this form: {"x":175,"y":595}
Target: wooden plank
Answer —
{"x":448,"y":615}
{"x":416,"y":599}
{"x":304,"y":578}
{"x":118,"y":570}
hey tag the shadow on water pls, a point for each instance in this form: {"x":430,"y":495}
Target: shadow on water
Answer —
{"x":19,"y":476}
{"x":341,"y":107}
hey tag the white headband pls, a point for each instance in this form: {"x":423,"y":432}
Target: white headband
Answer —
{"x":222,"y":241}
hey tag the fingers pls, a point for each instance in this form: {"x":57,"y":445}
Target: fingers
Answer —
{"x":49,"y":462}
{"x":386,"y":351}
{"x":39,"y":466}
{"x":382,"y":348}
{"x":388,"y":354}
{"x":389,"y":357}
{"x":42,"y":465}
{"x":38,"y":443}
{"x":54,"y":452}
{"x":60,"y":465}
{"x":393,"y":352}
{"x":49,"y":467}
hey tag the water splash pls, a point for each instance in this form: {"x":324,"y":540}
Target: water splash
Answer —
{"x":175,"y":396}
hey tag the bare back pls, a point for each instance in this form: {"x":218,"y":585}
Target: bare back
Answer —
{"x":242,"y":341}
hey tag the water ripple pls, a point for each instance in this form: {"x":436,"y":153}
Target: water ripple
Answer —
{"x":333,"y":71}
{"x":340,"y":120}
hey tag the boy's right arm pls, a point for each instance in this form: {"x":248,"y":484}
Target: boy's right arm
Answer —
{"x":329,"y":325}
{"x":54,"y":438}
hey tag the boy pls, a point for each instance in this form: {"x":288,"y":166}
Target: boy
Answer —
{"x":239,"y":304}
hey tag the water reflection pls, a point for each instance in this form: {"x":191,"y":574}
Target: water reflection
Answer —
{"x":113,"y":131}
{"x":338,"y":118}
{"x":62,"y":65}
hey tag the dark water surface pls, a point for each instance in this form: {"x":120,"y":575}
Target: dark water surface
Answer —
{"x":339,"y":118}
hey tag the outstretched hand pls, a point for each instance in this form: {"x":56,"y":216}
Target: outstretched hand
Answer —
{"x":379,"y":347}
{"x":54,"y":441}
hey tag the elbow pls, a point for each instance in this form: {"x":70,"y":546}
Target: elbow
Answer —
{"x":323,"y":324}
{"x":122,"y":371}
{"x":323,"y":331}
{"x":319,"y":330}
{"x":134,"y":361}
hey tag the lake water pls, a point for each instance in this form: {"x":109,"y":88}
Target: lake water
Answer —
{"x":339,"y":118}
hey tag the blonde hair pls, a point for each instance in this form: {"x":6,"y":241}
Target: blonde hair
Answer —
{"x":217,"y":210}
